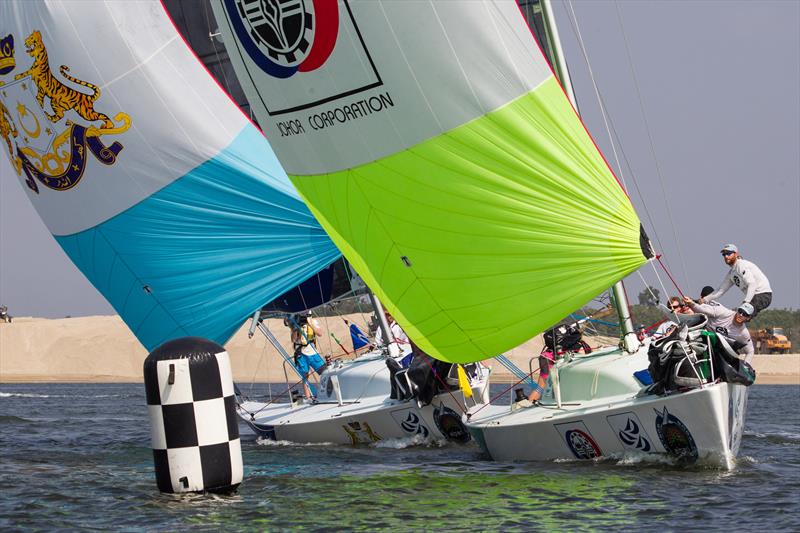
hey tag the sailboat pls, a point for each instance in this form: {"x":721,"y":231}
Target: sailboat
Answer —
{"x":363,"y":400}
{"x":358,"y":401}
{"x":172,"y":203}
{"x":438,"y":149}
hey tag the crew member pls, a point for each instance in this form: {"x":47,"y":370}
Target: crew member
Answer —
{"x":401,"y":341}
{"x":305,"y":331}
{"x":676,"y":307}
{"x":745,"y":275}
{"x":732,"y":324}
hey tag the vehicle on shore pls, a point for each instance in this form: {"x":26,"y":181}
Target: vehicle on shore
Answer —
{"x":771,"y":340}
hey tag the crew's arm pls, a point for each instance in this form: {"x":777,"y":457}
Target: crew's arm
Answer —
{"x":711,"y":311}
{"x":726,"y":284}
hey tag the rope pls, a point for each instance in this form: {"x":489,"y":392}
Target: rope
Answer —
{"x":658,"y":258}
{"x":647,"y":285}
{"x":527,"y":376}
{"x":517,"y":371}
{"x":253,"y":413}
{"x":444,"y":385}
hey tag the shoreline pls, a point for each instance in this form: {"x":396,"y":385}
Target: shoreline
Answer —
{"x":101,"y":349}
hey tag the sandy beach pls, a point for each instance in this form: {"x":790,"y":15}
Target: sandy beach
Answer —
{"x":102,"y":349}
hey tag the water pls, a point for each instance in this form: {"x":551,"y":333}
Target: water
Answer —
{"x":77,"y":457}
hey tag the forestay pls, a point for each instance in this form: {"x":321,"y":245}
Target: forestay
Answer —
{"x":436,"y":147}
{"x":155,"y":184}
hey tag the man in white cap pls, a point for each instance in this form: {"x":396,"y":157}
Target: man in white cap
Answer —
{"x":732,"y":324}
{"x":745,"y":275}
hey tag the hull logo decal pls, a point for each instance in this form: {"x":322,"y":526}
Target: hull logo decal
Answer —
{"x":413,"y":425}
{"x":630,"y":432}
{"x":675,"y":436}
{"x":579,"y":440}
{"x":450,"y":425}
{"x":360,"y":433}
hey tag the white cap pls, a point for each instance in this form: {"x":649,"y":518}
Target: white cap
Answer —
{"x":730,"y":248}
{"x":746,"y":309}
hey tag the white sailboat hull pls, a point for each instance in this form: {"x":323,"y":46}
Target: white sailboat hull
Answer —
{"x":366,"y":414}
{"x":702,"y":425}
{"x":362,"y":423}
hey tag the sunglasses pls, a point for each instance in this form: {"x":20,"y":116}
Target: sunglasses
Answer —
{"x":743,"y":313}
{"x":675,"y":306}
{"x":726,"y":253}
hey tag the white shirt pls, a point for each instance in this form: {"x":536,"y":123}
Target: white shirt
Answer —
{"x":745,"y":275}
{"x":720,"y":320}
{"x":400,"y":337}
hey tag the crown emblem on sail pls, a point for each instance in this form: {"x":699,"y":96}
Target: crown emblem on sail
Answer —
{"x":285,"y":37}
{"x":51,"y":148}
{"x":7,"y":62}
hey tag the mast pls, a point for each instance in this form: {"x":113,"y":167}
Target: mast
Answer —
{"x":381,"y":315}
{"x":620,"y":300}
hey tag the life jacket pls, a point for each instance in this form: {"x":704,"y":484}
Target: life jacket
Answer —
{"x":306,"y":335}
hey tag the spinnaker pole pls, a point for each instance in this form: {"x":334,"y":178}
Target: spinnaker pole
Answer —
{"x":620,"y":300}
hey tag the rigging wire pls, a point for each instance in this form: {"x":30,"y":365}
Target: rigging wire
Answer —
{"x":610,"y":127}
{"x":606,"y":114}
{"x":216,"y":52}
{"x":325,"y":315}
{"x":258,"y":365}
{"x":350,"y":277}
{"x":575,"y":28}
{"x":634,"y":180}
{"x":650,"y":138}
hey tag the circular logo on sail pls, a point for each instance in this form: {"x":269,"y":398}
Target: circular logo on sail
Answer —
{"x":283,"y":37}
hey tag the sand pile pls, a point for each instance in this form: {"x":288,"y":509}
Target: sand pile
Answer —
{"x":103,"y":349}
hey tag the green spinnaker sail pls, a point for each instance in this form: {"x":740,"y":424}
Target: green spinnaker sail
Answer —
{"x":461,"y":185}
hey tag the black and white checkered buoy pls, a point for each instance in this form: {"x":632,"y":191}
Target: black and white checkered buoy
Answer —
{"x":194,"y":427}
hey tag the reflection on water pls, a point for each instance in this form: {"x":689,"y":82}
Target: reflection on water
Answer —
{"x":78,"y":457}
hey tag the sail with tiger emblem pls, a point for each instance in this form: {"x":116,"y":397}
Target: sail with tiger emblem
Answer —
{"x":486,"y":213}
{"x":154,"y":183}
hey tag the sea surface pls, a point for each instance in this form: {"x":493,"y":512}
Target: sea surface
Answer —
{"x":78,"y":457}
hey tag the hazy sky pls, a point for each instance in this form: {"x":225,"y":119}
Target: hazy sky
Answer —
{"x":720,"y":89}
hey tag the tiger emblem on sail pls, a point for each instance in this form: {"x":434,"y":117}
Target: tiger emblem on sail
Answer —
{"x":52,"y":148}
{"x":62,"y":97}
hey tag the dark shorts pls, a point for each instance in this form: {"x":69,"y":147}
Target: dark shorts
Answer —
{"x":760,"y":302}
